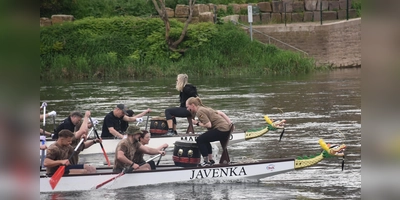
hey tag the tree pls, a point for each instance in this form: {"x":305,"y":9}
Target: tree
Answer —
{"x":162,"y":12}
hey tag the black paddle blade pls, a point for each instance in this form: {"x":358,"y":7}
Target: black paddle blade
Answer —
{"x":343,"y":163}
{"x":280,"y":137}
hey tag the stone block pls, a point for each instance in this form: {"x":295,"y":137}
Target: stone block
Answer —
{"x":211,"y":7}
{"x":203,"y":8}
{"x":61,"y":18}
{"x":308,"y":16}
{"x":243,"y":6}
{"x":276,"y":18}
{"x":243,"y":18}
{"x":277,"y":6}
{"x":298,"y":6}
{"x":236,"y":8}
{"x":297,"y":17}
{"x":329,"y":15}
{"x":44,"y":21}
{"x":229,"y":18}
{"x":316,"y":16}
{"x":265,"y":18}
{"x":310,"y":5}
{"x":289,"y":7}
{"x":170,"y":12}
{"x":181,"y":11}
{"x":265,"y":6}
{"x":206,"y":17}
{"x":195,"y":20}
{"x":341,"y":14}
{"x":256,"y":18}
{"x":333,"y":5}
{"x":342,"y":4}
{"x":221,"y":7}
{"x":324,"y":4}
{"x":352,"y":13}
{"x":288,"y":17}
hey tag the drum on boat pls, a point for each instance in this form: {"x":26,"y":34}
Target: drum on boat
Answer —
{"x":186,"y":153}
{"x":158,"y":126}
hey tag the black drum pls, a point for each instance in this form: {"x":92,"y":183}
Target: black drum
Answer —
{"x":158,"y":126}
{"x":186,"y":153}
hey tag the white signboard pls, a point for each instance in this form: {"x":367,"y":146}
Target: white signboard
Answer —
{"x":250,"y":13}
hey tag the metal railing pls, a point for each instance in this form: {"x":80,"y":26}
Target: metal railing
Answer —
{"x":269,"y":38}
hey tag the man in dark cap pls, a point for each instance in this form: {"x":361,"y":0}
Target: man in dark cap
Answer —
{"x":69,"y":123}
{"x":125,"y":151}
{"x":112,"y":121}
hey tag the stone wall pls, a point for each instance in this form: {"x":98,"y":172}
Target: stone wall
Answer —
{"x":337,"y":43}
{"x":297,"y":11}
{"x":44,"y":21}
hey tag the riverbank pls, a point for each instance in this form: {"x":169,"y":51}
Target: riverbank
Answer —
{"x":135,"y":47}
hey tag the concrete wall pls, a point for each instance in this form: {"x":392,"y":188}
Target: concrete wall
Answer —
{"x":337,"y":43}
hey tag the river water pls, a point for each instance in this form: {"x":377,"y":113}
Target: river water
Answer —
{"x":323,"y":105}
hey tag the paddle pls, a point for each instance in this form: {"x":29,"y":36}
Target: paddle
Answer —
{"x":122,"y":173}
{"x":147,"y":120}
{"x":60,"y":171}
{"x":101,"y":145}
{"x":158,"y":162}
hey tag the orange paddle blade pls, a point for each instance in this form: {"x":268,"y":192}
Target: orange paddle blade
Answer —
{"x":57,"y":176}
{"x":105,"y":155}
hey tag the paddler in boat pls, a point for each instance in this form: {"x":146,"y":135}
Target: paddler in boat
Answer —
{"x":68,"y":123}
{"x":144,"y":140}
{"x":216,"y":122}
{"x":81,"y":131}
{"x":126,"y":148}
{"x":112,"y":121}
{"x":58,"y":153}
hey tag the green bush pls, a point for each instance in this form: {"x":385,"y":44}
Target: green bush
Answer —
{"x":131,"y":46}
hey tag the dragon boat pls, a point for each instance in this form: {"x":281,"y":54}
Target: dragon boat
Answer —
{"x":104,"y":178}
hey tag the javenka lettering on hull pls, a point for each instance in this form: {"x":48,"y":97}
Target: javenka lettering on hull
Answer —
{"x":218,"y":172}
{"x":193,"y":138}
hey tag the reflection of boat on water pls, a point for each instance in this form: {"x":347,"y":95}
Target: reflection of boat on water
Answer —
{"x":168,"y":174}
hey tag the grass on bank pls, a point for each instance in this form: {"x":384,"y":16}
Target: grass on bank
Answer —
{"x":130,"y":46}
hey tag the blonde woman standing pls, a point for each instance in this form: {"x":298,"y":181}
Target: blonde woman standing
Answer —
{"x":186,"y":91}
{"x":217,"y":124}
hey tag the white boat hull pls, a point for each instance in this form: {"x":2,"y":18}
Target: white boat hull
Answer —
{"x":110,"y":144}
{"x":168,"y":175}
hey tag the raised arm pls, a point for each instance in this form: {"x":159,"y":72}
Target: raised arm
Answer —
{"x":133,"y":118}
{"x":151,"y":151}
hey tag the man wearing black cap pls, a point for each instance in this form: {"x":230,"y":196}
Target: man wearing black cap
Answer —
{"x":112,"y":121}
{"x":125,"y":151}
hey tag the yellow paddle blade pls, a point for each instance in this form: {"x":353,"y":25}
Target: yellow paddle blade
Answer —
{"x":267,"y":119}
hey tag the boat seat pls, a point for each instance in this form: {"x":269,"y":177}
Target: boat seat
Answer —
{"x":224,"y":143}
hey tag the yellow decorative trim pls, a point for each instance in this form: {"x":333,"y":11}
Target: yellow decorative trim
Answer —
{"x":250,"y":135}
{"x":269,"y":121}
{"x":307,"y":162}
{"x":323,"y":145}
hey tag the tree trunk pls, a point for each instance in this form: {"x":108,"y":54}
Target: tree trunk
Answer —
{"x":162,"y":12}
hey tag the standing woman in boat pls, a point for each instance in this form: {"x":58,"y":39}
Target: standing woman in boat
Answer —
{"x":145,"y":139}
{"x":216,"y":122}
{"x":186,"y":90}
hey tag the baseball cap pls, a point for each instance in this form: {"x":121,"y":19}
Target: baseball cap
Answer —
{"x":122,"y":107}
{"x":130,"y":113}
{"x":132,"y":130}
